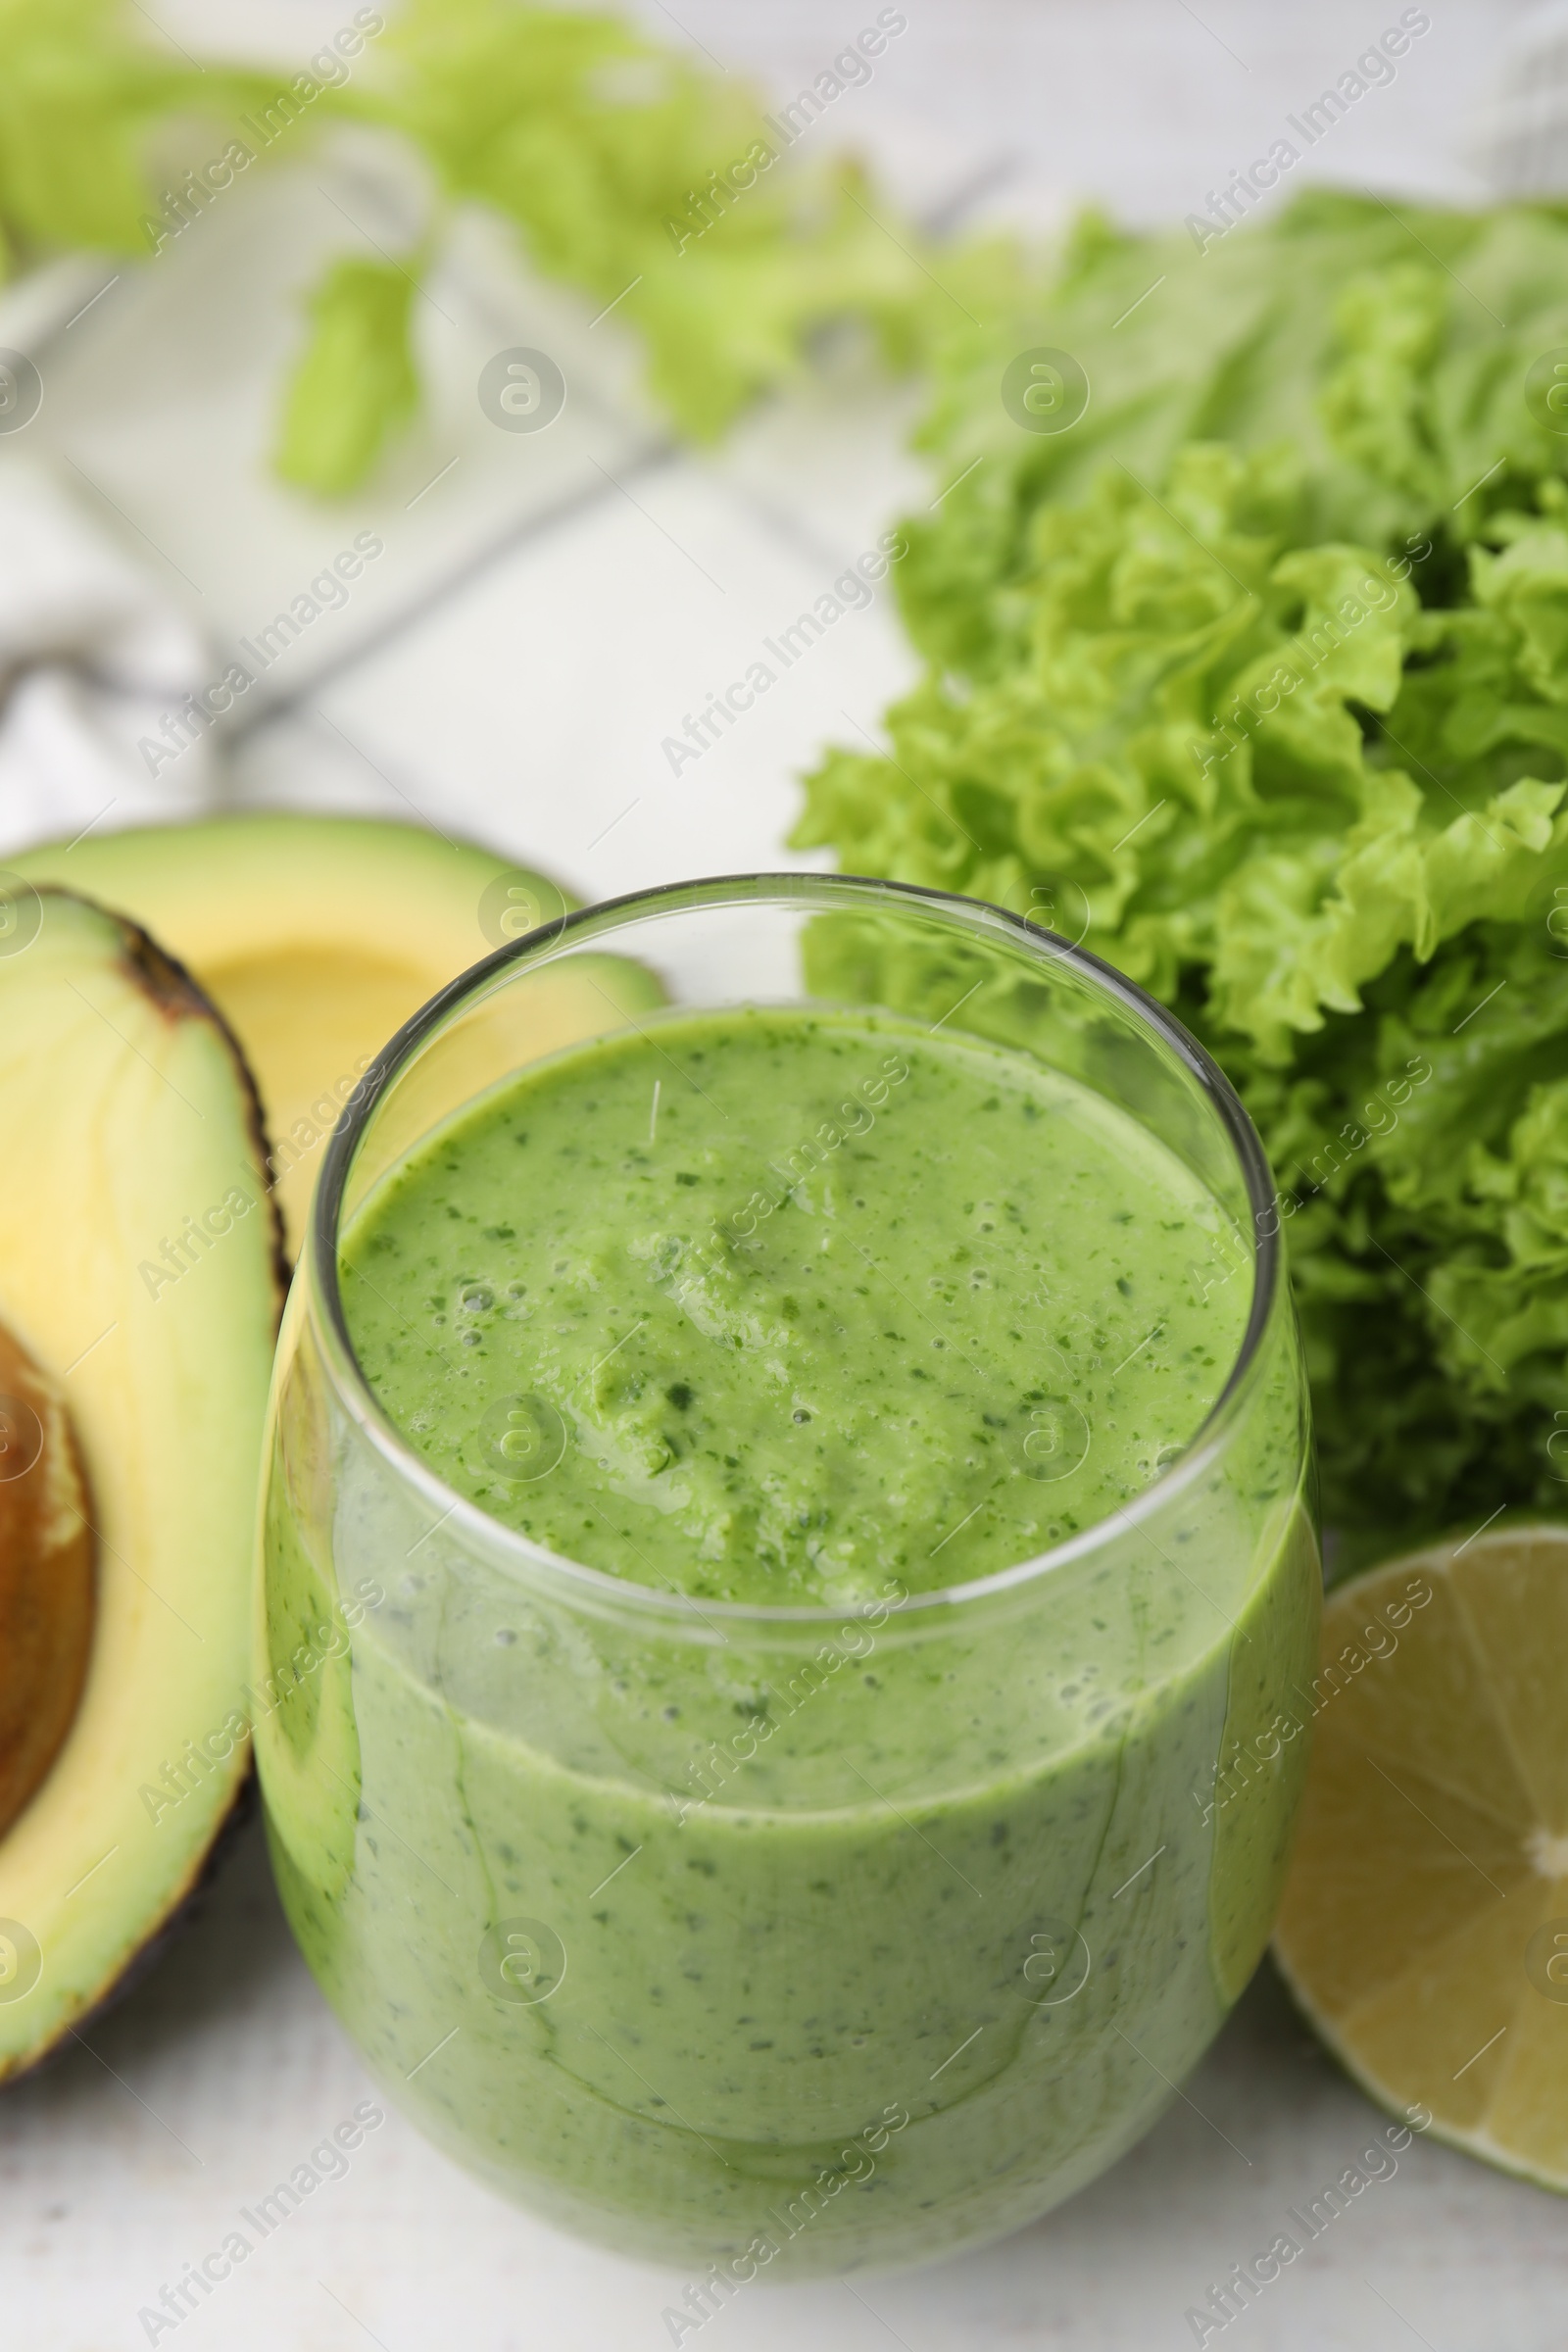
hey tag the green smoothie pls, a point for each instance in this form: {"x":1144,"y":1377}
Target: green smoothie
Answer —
{"x":794,"y":1306}
{"x":789,"y":1947}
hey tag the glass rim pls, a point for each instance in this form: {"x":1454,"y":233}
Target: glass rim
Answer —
{"x":575,"y":1580}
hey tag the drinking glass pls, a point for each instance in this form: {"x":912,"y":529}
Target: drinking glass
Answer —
{"x":781,"y":1940}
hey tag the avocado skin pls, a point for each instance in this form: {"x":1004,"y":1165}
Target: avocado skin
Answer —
{"x":188,"y":1907}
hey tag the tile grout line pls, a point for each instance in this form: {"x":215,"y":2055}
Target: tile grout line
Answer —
{"x":414,"y":614}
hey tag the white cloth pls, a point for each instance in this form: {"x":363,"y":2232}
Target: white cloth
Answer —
{"x":95,"y":654}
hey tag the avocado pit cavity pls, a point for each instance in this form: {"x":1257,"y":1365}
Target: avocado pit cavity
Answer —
{"x":47,"y":1576}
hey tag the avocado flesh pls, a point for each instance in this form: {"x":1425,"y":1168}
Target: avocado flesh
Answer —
{"x":139,"y":1269}
{"x":317,"y":936}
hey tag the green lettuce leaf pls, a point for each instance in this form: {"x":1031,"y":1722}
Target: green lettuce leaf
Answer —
{"x":661,"y":191}
{"x":80,"y":94}
{"x":356,"y":384}
{"x":1256,"y":679}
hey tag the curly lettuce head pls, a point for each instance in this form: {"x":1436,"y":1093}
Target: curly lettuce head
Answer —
{"x":1264,"y":685}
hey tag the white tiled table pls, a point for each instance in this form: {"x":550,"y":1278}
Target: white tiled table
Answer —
{"x":542,"y":618}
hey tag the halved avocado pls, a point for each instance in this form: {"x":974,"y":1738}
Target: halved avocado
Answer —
{"x":140,"y":1284}
{"x":316,"y":937}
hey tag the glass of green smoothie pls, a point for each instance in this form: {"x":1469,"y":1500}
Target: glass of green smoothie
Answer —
{"x":787,"y":1572}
